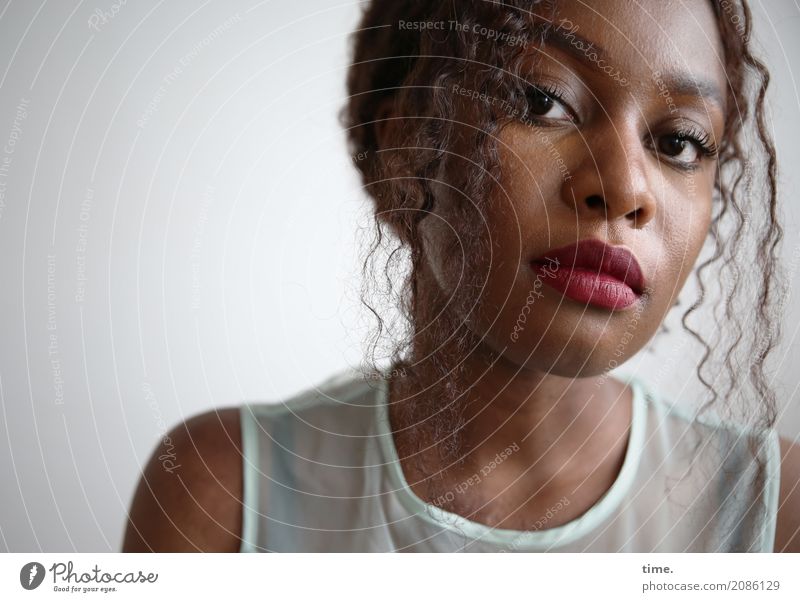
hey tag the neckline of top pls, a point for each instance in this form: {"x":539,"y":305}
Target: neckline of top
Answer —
{"x":515,"y":539}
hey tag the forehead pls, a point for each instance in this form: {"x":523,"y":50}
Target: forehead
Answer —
{"x":642,"y":37}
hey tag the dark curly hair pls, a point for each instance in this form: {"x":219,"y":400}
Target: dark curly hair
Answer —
{"x":413,"y":72}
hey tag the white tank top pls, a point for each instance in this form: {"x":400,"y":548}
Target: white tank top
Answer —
{"x":321,"y":473}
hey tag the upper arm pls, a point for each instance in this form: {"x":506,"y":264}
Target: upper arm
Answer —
{"x":189,"y":497}
{"x":787,"y":532}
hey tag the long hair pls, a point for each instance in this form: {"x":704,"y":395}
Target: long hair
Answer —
{"x":415,"y":71}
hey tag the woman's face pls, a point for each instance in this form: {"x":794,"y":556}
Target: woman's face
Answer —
{"x":614,"y":160}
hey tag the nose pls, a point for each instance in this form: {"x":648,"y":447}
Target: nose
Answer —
{"x":610,"y":180}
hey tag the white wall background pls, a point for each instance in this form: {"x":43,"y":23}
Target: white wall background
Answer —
{"x":178,"y":232}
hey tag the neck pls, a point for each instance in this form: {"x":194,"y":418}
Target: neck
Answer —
{"x":526,"y":434}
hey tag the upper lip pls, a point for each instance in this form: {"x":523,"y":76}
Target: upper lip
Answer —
{"x":593,"y":254}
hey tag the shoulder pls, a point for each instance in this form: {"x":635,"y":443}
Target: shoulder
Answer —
{"x":787,"y":535}
{"x":733,"y":447}
{"x":189,"y":497}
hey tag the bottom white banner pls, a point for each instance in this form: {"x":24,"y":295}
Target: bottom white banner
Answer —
{"x":398,"y":576}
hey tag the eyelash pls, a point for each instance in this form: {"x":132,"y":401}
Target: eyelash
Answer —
{"x":552,"y":93}
{"x":698,"y":137}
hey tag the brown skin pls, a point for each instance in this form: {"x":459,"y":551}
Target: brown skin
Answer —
{"x":551,"y":380}
{"x":193,"y":504}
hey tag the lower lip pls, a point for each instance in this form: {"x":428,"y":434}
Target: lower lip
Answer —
{"x":587,"y":286}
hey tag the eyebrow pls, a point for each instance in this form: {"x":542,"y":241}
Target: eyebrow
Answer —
{"x":688,"y":85}
{"x":571,"y":43}
{"x":579,"y":48}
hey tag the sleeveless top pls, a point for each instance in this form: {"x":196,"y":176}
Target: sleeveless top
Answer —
{"x":321,"y":474}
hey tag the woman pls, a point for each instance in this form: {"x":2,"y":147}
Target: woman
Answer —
{"x":551,"y":172}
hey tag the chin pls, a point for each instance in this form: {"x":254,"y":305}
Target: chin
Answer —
{"x":581,"y":357}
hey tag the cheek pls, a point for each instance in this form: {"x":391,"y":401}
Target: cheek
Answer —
{"x":524,"y":213}
{"x":478,"y":244}
{"x":495,"y":279}
{"x":475,"y":257}
{"x":685,"y":229}
{"x":520,"y":209}
{"x":532,"y":170}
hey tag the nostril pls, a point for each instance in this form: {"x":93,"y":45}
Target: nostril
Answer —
{"x":594,"y":201}
{"x":636,"y":215}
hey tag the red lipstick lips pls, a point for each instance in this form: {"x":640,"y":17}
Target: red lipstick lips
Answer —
{"x":591,"y":271}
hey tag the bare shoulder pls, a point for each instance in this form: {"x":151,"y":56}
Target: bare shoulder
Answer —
{"x":189,"y":497}
{"x":787,"y":535}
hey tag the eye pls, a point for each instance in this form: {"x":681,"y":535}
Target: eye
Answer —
{"x":686,"y":147}
{"x":677,"y":147}
{"x":546,"y":104}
